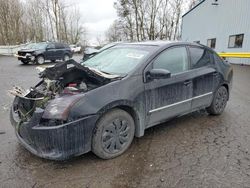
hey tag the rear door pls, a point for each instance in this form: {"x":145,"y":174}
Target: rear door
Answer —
{"x":166,"y":98}
{"x":203,"y":69}
{"x":50,"y":52}
{"x":59,"y":50}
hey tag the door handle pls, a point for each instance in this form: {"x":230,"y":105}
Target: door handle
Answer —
{"x":187,"y":82}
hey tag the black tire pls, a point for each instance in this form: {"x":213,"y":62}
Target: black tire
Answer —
{"x":66,"y":57}
{"x":219,"y":101}
{"x":113,"y":134}
{"x":25,"y":62}
{"x":40,"y":60}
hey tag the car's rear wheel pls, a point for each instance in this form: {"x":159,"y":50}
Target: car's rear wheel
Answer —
{"x":219,"y":101}
{"x":113,"y":135}
{"x":25,"y":62}
{"x":40,"y":60}
{"x":66,"y":57}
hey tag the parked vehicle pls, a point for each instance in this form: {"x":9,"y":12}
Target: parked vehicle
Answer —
{"x":90,"y":52}
{"x":75,"y":48}
{"x":40,"y":52}
{"x":102,"y":104}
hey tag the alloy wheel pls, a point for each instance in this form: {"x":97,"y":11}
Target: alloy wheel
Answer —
{"x":40,"y":60}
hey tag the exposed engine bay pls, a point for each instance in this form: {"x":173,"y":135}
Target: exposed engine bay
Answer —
{"x":68,"y":78}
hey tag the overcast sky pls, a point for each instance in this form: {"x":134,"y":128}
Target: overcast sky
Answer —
{"x":97,"y":15}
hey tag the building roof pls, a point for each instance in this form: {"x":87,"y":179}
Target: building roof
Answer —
{"x":202,"y":1}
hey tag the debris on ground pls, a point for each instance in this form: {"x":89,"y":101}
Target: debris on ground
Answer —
{"x":5,"y":107}
{"x":162,"y":180}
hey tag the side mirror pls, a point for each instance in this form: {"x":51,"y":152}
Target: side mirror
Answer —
{"x":158,"y":74}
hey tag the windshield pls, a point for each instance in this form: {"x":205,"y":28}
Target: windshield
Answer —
{"x":117,"y":61}
{"x":36,"y":46}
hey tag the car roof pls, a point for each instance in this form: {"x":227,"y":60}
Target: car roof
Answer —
{"x":161,"y":43}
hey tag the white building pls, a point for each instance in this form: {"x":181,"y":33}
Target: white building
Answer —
{"x":220,"y":24}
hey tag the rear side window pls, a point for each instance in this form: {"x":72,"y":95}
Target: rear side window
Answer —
{"x":200,"y":57}
{"x":59,"y":45}
{"x":174,"y":60}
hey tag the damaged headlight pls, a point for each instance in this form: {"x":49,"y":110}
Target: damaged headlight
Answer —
{"x":32,"y":58}
{"x":59,"y":107}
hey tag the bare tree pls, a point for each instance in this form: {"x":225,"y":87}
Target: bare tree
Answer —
{"x":150,"y":19}
{"x":192,"y":3}
{"x":11,"y":12}
{"x":115,"y":32}
{"x":40,"y":20}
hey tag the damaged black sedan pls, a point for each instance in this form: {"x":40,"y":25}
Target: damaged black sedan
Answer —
{"x":102,"y":103}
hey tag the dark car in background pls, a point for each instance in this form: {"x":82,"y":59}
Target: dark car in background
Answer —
{"x":41,"y":52}
{"x":101,"y":104}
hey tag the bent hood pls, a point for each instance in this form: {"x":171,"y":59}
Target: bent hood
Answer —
{"x":58,"y":72}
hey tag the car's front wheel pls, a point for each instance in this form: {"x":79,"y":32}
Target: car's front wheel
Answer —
{"x":113,"y":135}
{"x":40,"y":60}
{"x":219,"y":101}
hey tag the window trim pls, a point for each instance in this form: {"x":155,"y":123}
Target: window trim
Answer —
{"x":235,"y":40}
{"x":211,"y":42}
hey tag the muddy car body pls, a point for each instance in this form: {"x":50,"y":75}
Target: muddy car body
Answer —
{"x":80,"y":108}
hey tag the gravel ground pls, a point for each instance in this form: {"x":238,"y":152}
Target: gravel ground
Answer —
{"x":196,"y":150}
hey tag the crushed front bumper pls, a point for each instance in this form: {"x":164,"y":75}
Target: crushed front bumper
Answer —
{"x":54,"y":142}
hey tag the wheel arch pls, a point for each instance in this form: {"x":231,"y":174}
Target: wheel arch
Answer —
{"x":40,"y":54}
{"x":66,"y":53}
{"x":129,"y":108}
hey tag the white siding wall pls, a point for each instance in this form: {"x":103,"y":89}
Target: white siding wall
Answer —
{"x":207,"y":21}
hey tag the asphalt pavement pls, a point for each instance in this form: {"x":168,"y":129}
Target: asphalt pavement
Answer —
{"x":196,"y":150}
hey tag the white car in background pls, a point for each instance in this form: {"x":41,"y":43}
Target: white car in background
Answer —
{"x":75,"y":48}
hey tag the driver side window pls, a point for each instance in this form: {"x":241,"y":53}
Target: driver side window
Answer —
{"x":174,"y":59}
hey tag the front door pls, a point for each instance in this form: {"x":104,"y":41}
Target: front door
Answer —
{"x":166,"y":98}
